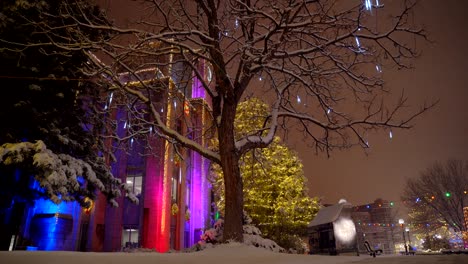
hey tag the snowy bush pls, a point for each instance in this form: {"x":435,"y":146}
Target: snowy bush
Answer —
{"x":252,"y":236}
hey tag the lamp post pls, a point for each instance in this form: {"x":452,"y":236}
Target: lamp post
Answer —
{"x":409,"y":239}
{"x":402,"y":223}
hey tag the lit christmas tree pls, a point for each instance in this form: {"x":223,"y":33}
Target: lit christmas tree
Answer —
{"x":275,"y":192}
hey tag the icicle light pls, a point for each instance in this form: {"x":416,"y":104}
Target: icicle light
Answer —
{"x":358,"y":44}
{"x":368,"y":5}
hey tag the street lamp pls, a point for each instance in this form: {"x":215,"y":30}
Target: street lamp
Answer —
{"x":402,"y":223}
{"x":409,"y":240}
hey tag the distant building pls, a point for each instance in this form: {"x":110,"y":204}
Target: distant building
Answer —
{"x":376,"y":223}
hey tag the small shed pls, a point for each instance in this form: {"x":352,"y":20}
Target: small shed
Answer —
{"x":332,"y":231}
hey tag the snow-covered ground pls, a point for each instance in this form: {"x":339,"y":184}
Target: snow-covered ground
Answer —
{"x":223,"y":254}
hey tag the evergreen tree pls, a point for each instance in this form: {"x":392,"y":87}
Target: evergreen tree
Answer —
{"x":275,"y":192}
{"x":49,"y":129}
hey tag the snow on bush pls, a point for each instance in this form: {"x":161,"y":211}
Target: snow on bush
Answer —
{"x":252,"y":236}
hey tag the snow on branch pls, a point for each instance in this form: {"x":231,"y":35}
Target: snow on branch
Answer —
{"x":58,"y":174}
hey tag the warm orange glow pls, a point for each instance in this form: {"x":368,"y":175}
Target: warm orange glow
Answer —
{"x":88,"y":209}
{"x":186,"y":108}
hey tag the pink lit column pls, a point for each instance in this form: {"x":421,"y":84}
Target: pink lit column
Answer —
{"x":156,"y":215}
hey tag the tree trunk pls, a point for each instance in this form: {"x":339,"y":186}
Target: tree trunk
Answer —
{"x":234,"y":203}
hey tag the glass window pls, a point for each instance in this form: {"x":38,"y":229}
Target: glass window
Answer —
{"x":135,"y":183}
{"x":130,"y":237}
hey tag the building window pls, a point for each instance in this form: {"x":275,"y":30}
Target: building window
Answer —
{"x":130,"y":237}
{"x":135,"y":183}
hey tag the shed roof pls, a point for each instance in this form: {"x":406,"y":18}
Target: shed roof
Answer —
{"x":328,"y":214}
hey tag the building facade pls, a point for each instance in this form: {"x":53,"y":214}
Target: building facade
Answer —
{"x":175,"y":198}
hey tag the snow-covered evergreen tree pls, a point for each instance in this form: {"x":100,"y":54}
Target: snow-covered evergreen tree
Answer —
{"x":49,"y":130}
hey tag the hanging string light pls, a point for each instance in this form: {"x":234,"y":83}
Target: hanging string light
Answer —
{"x":298,"y":99}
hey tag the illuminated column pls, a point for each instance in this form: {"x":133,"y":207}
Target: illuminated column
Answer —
{"x":197,"y":87}
{"x":154,"y":235}
{"x":161,"y":192}
{"x":199,"y":204}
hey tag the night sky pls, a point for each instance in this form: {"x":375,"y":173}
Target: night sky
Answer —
{"x":442,"y":133}
{"x":441,"y":73}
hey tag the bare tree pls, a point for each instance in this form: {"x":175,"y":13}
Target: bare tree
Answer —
{"x":318,"y":63}
{"x":437,"y":197}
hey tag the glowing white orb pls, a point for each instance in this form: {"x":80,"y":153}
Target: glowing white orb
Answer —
{"x":345,"y":230}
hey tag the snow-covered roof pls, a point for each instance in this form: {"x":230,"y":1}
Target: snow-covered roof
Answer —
{"x":329,"y":214}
